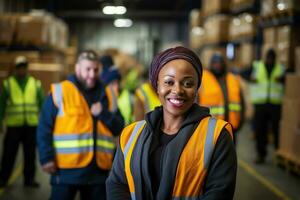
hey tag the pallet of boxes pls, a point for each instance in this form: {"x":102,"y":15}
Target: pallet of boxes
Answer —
{"x":288,"y":154}
{"x":39,"y":36}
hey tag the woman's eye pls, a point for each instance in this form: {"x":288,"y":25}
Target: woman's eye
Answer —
{"x":169,"y":82}
{"x":188,"y":84}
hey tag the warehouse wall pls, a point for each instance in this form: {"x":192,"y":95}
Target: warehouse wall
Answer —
{"x":142,"y":39}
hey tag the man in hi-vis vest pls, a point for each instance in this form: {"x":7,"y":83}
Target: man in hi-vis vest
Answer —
{"x":267,"y":79}
{"x":221,"y":92}
{"x":76,"y":132}
{"x":20,"y":103}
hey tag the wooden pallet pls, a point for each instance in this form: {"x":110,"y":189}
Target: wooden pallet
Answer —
{"x":288,"y":162}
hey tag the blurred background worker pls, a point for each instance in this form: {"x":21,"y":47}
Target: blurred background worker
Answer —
{"x":126,"y":97}
{"x":267,"y":79}
{"x":20,"y":103}
{"x":146,"y":99}
{"x":221,"y":92}
{"x":75,"y":133}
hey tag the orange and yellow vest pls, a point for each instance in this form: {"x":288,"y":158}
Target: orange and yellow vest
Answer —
{"x":73,"y":131}
{"x":148,"y":96}
{"x":211,"y":95}
{"x":197,"y":152}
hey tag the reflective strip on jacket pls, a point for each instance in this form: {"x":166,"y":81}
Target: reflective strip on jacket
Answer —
{"x":211,"y":95}
{"x":266,"y":89}
{"x":73,"y":131}
{"x":197,"y":152}
{"x":148,"y":96}
{"x":22,"y":106}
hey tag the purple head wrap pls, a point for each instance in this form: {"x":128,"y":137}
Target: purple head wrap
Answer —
{"x":172,"y":54}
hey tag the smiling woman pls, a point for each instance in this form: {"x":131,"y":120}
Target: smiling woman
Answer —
{"x":179,"y":151}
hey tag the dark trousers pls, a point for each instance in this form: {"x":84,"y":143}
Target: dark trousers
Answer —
{"x":266,"y":116}
{"x":14,"y":136}
{"x":87,"y":192}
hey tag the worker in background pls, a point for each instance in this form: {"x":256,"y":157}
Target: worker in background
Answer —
{"x":126,"y":97}
{"x":20,"y":103}
{"x":145,"y":100}
{"x":179,"y":151}
{"x":221,"y":92}
{"x":267,"y":78}
{"x":75,"y":133}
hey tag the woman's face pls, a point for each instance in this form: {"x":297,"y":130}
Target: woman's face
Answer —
{"x":177,"y":87}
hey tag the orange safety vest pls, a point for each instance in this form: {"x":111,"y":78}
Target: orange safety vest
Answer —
{"x":73,"y":131}
{"x":211,"y":95}
{"x":197,"y":152}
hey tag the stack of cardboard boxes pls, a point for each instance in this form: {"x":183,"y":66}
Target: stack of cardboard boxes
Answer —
{"x":33,"y":29}
{"x":283,"y":39}
{"x":289,"y":142}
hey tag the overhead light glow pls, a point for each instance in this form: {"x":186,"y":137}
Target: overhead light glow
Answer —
{"x":120,"y":10}
{"x":114,"y":10}
{"x":123,"y":23}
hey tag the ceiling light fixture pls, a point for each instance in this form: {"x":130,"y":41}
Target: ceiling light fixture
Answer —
{"x":121,"y":23}
{"x":114,"y":10}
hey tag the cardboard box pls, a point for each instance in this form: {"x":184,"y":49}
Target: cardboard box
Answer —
{"x":292,"y":86}
{"x":291,"y":111}
{"x":197,"y":37}
{"x":8,"y":28}
{"x":195,"y":19}
{"x":211,"y":7}
{"x":217,"y":28}
{"x":287,"y":138}
{"x":270,"y":35}
{"x":48,"y":73}
{"x":247,"y":54}
{"x":268,"y":7}
{"x":32,"y":30}
{"x":238,"y":4}
{"x":297,"y":60}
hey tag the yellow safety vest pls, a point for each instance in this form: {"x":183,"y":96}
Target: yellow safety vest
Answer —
{"x":266,"y":89}
{"x":22,"y":106}
{"x":125,"y":106}
{"x":148,"y":96}
{"x":211,"y":95}
{"x":197,"y":152}
{"x":73,"y":131}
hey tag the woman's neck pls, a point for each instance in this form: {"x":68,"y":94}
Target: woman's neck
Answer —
{"x":171,"y":124}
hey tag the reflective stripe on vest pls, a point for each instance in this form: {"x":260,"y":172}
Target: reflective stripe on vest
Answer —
{"x":209,"y":142}
{"x":73,"y":143}
{"x":22,"y":106}
{"x":266,"y":88}
{"x":211,"y":95}
{"x":148,"y":96}
{"x":73,"y":131}
{"x":105,"y":144}
{"x":128,"y":152}
{"x":57,"y":96}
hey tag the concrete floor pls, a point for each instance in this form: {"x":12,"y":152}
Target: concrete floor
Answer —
{"x":258,"y":182}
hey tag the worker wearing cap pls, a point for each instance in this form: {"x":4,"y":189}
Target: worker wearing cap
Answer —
{"x":20,"y":103}
{"x":221,"y":92}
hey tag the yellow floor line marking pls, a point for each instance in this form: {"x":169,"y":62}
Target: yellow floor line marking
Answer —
{"x":16,"y":173}
{"x":263,"y":180}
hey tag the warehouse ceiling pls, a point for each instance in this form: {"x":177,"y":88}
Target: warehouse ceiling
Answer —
{"x":135,"y":8}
